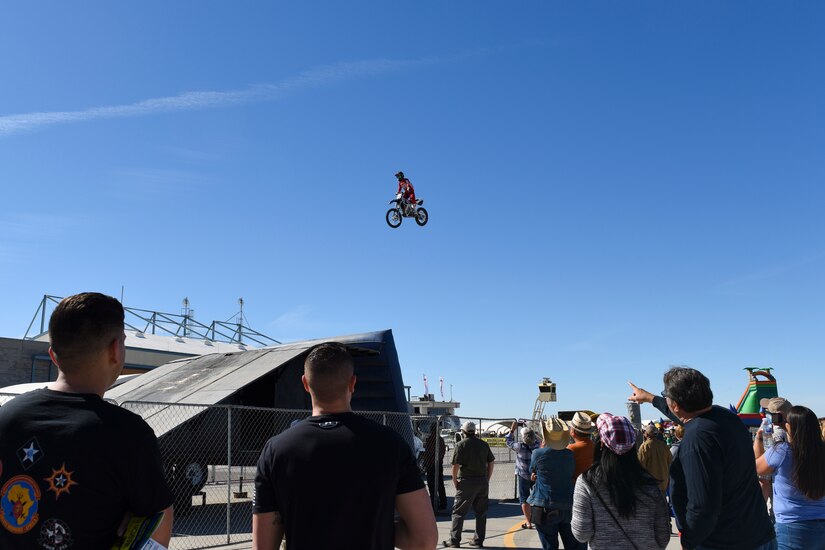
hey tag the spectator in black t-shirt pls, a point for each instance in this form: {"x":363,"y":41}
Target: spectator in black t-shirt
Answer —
{"x":74,"y":466}
{"x":714,"y":488}
{"x":333,"y":481}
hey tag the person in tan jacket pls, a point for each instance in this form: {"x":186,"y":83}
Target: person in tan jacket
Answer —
{"x":655,"y":457}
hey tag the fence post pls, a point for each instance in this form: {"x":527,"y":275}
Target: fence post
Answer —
{"x":438,"y":464}
{"x":228,"y":474}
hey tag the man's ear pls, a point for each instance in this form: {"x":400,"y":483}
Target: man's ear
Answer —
{"x":675,"y":408}
{"x":352,"y":384}
{"x":53,"y":355}
{"x":304,"y":382}
{"x":114,"y":350}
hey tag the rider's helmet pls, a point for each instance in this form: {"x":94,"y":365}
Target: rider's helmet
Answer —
{"x":400,"y":175}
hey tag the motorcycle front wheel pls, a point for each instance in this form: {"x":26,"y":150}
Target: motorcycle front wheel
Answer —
{"x":394,"y":217}
{"x":421,"y":217}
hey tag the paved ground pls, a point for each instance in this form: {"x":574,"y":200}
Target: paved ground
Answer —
{"x":504,"y":529}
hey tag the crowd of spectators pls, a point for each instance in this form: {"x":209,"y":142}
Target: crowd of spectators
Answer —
{"x":616,"y":486}
{"x":591,"y":484}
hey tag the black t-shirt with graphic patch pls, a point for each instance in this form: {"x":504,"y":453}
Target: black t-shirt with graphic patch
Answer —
{"x":71,"y":466}
{"x":334,"y":479}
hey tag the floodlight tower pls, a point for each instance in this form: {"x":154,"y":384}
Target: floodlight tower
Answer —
{"x":547,"y":393}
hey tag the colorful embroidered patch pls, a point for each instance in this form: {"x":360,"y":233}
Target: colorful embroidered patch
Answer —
{"x":55,"y":535}
{"x":60,"y":481}
{"x":19,"y":502}
{"x":29,"y":453}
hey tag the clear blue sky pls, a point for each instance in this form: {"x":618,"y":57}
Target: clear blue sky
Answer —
{"x":613,"y":187}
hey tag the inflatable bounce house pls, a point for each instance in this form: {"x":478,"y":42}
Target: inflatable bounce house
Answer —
{"x":748,"y":408}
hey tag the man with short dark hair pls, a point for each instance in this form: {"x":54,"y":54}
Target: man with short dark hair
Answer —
{"x":472,"y":470}
{"x":334,"y":480}
{"x":74,"y":466}
{"x":714,"y":489}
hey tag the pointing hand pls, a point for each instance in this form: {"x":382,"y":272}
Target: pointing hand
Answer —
{"x":639,"y":395}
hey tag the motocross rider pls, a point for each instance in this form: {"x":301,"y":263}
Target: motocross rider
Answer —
{"x":406,"y":187}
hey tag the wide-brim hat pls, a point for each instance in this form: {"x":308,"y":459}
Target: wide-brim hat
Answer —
{"x":582,"y":423}
{"x":556,"y":433}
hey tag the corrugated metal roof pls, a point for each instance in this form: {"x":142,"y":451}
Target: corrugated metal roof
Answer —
{"x":208,"y":379}
{"x":173,"y":344}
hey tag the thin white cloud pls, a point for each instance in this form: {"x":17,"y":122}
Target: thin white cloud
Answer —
{"x":24,"y":236}
{"x":299,"y":317}
{"x":768,"y":273}
{"x":188,"y":101}
{"x":127,"y":183}
{"x":20,"y":225}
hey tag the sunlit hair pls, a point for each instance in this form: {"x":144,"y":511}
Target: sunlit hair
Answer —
{"x":82,"y":325}
{"x":328,"y":368}
{"x":688,"y":387}
{"x":808,"y":451}
{"x":622,"y":475}
{"x":679,"y":431}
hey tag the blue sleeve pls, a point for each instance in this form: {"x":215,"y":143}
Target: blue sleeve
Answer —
{"x":703,"y":480}
{"x":533,"y":462}
{"x":508,"y":439}
{"x":661,"y":404}
{"x":775,"y":455}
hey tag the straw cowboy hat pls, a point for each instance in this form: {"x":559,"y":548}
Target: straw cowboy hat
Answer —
{"x":582,"y":423}
{"x":556,"y":433}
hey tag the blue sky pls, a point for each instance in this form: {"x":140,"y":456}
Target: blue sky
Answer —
{"x":613,"y":187}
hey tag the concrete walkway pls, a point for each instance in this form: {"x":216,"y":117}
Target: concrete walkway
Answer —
{"x":504,"y":529}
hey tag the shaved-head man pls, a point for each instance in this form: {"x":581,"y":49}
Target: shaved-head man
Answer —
{"x":334,"y":480}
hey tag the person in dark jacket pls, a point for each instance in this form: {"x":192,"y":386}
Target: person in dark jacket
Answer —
{"x":434,"y":451}
{"x":714,"y":488}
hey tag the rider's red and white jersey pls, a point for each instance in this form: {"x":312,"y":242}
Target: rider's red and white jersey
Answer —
{"x":406,"y":186}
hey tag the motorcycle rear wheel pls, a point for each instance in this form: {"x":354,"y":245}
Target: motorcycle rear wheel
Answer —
{"x":394,"y":217}
{"x":421,"y":217}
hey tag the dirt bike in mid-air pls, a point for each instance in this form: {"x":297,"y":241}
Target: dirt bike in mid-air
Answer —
{"x":405,"y":209}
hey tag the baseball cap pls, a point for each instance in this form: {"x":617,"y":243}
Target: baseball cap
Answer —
{"x":616,"y":433}
{"x":775,"y":405}
{"x":468,"y":427}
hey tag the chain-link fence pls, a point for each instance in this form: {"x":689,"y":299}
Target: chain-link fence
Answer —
{"x":209,"y":457}
{"x":440,"y":436}
{"x":210,"y":454}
